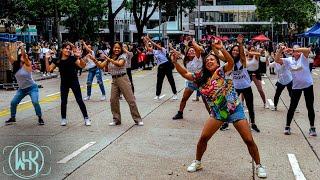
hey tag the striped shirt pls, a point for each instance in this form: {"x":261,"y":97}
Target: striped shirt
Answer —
{"x":115,"y":70}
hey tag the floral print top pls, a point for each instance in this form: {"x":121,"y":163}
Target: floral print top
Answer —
{"x":219,"y":94}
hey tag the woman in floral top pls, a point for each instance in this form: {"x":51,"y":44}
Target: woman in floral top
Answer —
{"x":223,"y":101}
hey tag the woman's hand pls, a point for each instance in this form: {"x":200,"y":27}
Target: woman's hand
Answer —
{"x":217,"y":44}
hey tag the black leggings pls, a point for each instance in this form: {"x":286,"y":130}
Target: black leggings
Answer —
{"x":75,"y":87}
{"x":279,"y":90}
{"x":130,"y":78}
{"x":248,"y":97}
{"x":295,"y":97}
{"x":165,"y":70}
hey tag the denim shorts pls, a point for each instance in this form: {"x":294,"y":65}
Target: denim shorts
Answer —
{"x":191,"y":85}
{"x":237,"y":115}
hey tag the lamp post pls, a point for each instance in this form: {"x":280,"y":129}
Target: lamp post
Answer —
{"x":198,"y":15}
{"x":160,"y":19}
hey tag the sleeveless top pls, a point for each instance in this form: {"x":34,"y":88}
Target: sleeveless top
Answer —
{"x":253,"y":64}
{"x":24,"y":78}
{"x":240,"y":76}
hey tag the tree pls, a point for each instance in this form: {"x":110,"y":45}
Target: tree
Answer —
{"x":298,"y":14}
{"x":143,"y":10}
{"x":111,"y":16}
{"x":84,"y":21}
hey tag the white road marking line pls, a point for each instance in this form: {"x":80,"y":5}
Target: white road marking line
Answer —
{"x":162,"y":96}
{"x":75,"y":153}
{"x":271,"y":104}
{"x":295,"y":167}
{"x":315,"y":73}
{"x":53,"y":94}
{"x":263,"y":82}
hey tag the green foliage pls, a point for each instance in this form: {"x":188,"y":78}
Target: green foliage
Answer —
{"x":298,"y":13}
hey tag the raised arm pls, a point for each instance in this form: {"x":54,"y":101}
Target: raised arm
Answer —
{"x":241,"y":51}
{"x":26,"y":60}
{"x":81,"y":62}
{"x":181,"y":70}
{"x":199,"y":50}
{"x":147,"y":39}
{"x":218,"y":53}
{"x":304,"y":51}
{"x":86,"y":47}
{"x":7,"y":51}
{"x":230,"y":63}
{"x":279,"y":52}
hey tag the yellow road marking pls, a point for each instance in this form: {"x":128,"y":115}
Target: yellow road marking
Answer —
{"x":53,"y":97}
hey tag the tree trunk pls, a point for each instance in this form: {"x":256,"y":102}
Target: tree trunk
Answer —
{"x":140,"y":32}
{"x":111,"y":30}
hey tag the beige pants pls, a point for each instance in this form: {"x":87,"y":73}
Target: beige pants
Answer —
{"x":122,"y":84}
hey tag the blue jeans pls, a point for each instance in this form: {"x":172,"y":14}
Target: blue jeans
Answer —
{"x":33,"y":92}
{"x":95,"y":72}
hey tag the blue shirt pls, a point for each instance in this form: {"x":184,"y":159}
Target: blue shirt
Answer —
{"x":160,"y":56}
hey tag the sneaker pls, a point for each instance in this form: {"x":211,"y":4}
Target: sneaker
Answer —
{"x":12,"y":120}
{"x":297,"y":111}
{"x":86,"y":98}
{"x":195,"y":99}
{"x":179,"y":115}
{"x":261,"y":171}
{"x":157,"y":98}
{"x":63,"y":122}
{"x":312,"y":131}
{"x":287,"y":130}
{"x":224,"y":127}
{"x":87,"y":121}
{"x":140,"y":123}
{"x":120,"y":98}
{"x":266,"y":106}
{"x":175,"y":97}
{"x":103,"y":98}
{"x":114,"y":123}
{"x":40,"y":121}
{"x":273,"y":108}
{"x":194,"y":166}
{"x":255,"y":128}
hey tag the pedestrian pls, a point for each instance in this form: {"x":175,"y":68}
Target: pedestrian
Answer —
{"x":224,"y":103}
{"x":22,"y":70}
{"x":253,"y":70}
{"x":164,"y":68}
{"x":284,"y":80}
{"x":301,"y":82}
{"x":193,"y":63}
{"x":68,"y":61}
{"x":242,"y":82}
{"x":120,"y":84}
{"x":93,"y":71}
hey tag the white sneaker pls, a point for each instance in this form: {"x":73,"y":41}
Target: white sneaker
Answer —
{"x":195,"y":99}
{"x":261,"y":171}
{"x":86,"y":98}
{"x":156,"y":98}
{"x":266,"y":106}
{"x":194,"y":166}
{"x":63,"y":122}
{"x":140,"y":123}
{"x":103,"y":98}
{"x":175,"y":97}
{"x":87,"y":122}
{"x":114,"y":124}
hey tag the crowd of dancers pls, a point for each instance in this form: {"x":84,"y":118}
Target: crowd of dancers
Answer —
{"x":221,"y":74}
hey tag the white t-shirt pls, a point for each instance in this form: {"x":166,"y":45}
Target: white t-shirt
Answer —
{"x":253,"y":64}
{"x":90,"y":63}
{"x":284,"y":74}
{"x":194,"y":65}
{"x":240,"y":77}
{"x":300,"y":72}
